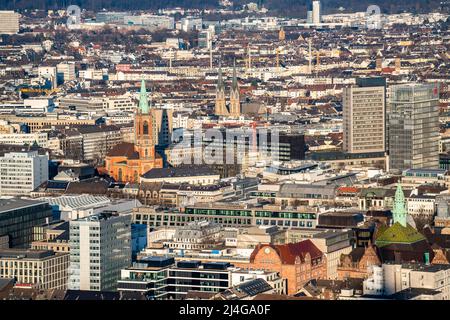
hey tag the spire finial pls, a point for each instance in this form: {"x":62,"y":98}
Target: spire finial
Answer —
{"x":399,"y":213}
{"x":143,"y":102}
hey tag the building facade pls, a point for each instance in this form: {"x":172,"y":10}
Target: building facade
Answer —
{"x":100,"y":246}
{"x":19,"y":216}
{"x":43,"y":268}
{"x":414,"y":127}
{"x":22,"y":172}
{"x":9,"y":22}
{"x":364,"y":116}
{"x":126,"y":162}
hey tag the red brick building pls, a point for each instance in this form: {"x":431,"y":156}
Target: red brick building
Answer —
{"x":296,"y":262}
{"x":357,"y":263}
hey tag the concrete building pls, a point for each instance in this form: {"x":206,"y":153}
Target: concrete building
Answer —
{"x":393,"y":278}
{"x":298,"y":263}
{"x":48,"y":73}
{"x":316,"y":14}
{"x":100,"y":246}
{"x":152,"y":22}
{"x":66,"y":71}
{"x":364,"y":116}
{"x":414,"y":127}
{"x":22,"y":172}
{"x":43,"y":268}
{"x":9,"y":22}
{"x":98,"y":141}
{"x":191,"y":174}
{"x":333,"y":243}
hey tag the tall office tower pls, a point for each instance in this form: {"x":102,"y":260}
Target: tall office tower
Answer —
{"x":316,"y":17}
{"x":414,"y":127}
{"x":309,"y":17}
{"x":235,"y":104}
{"x":22,"y":172}
{"x":9,"y":22}
{"x":364,"y":116}
{"x":100,"y":246}
{"x":221,"y":108}
{"x":66,"y":71}
{"x":162,"y":126}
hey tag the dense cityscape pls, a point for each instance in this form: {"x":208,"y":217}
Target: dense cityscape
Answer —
{"x":229,"y":152}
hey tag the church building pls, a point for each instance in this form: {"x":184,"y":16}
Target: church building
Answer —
{"x":401,"y":242}
{"x":126,"y":162}
{"x":234,"y":107}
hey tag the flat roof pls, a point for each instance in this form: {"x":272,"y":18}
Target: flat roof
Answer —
{"x":25,"y":254}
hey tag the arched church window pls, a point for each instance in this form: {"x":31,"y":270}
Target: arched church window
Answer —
{"x":119,"y":175}
{"x":145,"y":127}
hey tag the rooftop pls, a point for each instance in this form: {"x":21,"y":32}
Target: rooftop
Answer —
{"x":15,"y":203}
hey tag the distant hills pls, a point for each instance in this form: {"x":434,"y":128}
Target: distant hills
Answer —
{"x":295,"y":8}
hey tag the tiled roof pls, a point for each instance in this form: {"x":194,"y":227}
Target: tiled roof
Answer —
{"x":124,"y":149}
{"x":289,"y":252}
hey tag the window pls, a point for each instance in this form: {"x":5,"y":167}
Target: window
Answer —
{"x":145,"y":127}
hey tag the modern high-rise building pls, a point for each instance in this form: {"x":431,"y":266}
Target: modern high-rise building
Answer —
{"x":414,"y":127}
{"x":49,"y":74}
{"x":22,"y":172}
{"x":316,"y":14}
{"x":66,"y":71}
{"x":9,"y":22}
{"x":100,"y":246}
{"x":18,"y":217}
{"x":364,"y":116}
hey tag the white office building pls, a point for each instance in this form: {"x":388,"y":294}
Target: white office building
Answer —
{"x":41,"y":138}
{"x":67,"y":70}
{"x":48,"y":73}
{"x":316,"y":15}
{"x":22,"y":172}
{"x":100,"y":246}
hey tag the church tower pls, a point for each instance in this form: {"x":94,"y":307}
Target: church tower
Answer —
{"x":235,"y":104}
{"x":143,"y":127}
{"x":220,"y":108}
{"x":399,"y":213}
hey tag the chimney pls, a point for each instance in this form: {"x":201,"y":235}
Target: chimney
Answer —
{"x":426,"y":258}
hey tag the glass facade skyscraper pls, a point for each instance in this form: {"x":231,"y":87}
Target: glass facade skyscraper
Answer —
{"x":414,"y":127}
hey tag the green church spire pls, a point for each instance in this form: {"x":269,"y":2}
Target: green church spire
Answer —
{"x":143,"y":102}
{"x":399,"y":213}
